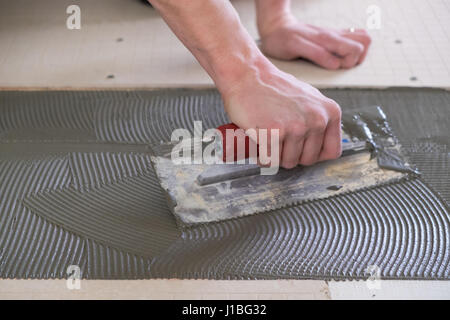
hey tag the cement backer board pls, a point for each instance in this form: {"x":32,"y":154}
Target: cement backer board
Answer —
{"x":165,"y":289}
{"x":356,"y":290}
{"x":223,"y":289}
{"x":131,"y":42}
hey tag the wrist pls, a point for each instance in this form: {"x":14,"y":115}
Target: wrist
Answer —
{"x":270,"y":14}
{"x":267,"y":26}
{"x":231,"y":68}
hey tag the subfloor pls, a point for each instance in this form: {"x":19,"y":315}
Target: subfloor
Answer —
{"x":222,"y":289}
{"x":123,"y":43}
{"x":134,"y":53}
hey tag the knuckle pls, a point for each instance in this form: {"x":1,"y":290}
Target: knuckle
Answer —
{"x":324,"y":35}
{"x":274,"y":124}
{"x":334,"y":109}
{"x":281,"y":133}
{"x":319,"y":123}
{"x":297,"y":129}
{"x":279,"y":127}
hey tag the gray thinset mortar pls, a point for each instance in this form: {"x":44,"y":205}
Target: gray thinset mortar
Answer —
{"x":192,"y":203}
{"x":88,"y":148}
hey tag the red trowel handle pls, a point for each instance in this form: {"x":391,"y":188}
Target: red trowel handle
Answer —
{"x":232,"y":126}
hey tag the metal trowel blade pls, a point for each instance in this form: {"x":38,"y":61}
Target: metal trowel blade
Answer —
{"x":223,"y":172}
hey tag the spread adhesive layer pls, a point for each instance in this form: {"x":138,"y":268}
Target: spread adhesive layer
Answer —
{"x":77,"y":188}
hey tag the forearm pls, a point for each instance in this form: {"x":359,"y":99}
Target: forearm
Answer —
{"x":212,"y":31}
{"x":269,"y":13}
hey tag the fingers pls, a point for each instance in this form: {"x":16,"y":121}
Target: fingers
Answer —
{"x":269,"y":142}
{"x":348,"y":49}
{"x":318,"y":145}
{"x":314,"y":139}
{"x":302,"y":47}
{"x":292,"y":151}
{"x":319,"y":141}
{"x":328,"y":48}
{"x":311,"y":149}
{"x":361,"y":36}
{"x":332,"y":142}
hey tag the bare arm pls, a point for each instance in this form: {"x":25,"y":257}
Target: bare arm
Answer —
{"x":256,"y":94}
{"x":270,"y":13}
{"x":212,"y":31}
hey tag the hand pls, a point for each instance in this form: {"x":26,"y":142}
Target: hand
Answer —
{"x":288,"y":39}
{"x":309,"y":122}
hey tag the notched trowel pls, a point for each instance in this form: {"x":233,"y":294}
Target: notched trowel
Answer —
{"x":230,"y":171}
{"x":202,"y":193}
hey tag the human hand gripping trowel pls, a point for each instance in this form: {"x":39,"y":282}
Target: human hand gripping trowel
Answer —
{"x":235,"y":170}
{"x":200,"y":192}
